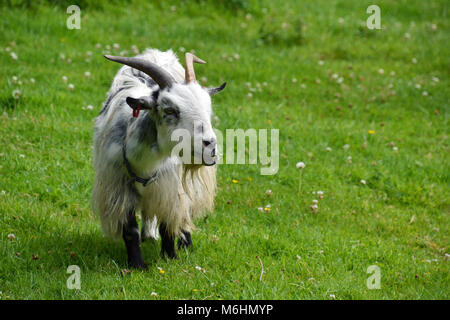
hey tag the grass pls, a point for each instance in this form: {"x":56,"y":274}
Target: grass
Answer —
{"x":398,"y":220}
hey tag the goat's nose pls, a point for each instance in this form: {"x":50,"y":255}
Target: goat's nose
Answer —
{"x":211,"y":143}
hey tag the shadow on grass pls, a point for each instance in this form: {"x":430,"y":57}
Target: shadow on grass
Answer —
{"x":89,"y":250}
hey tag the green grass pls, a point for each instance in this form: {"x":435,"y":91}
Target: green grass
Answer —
{"x":398,"y":220}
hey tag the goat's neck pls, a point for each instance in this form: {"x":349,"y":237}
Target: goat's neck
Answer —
{"x":142,"y":148}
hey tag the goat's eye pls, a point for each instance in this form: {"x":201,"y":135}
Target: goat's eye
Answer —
{"x":169,"y":111}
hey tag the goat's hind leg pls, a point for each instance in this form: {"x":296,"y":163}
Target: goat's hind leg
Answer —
{"x":167,"y":242}
{"x":132,"y":242}
{"x":185,"y":241}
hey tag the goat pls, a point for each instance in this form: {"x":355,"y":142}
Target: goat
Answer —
{"x":135,"y":168}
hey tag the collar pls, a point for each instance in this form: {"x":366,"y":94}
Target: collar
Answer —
{"x":134,"y":177}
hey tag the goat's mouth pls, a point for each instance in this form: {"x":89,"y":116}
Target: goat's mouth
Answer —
{"x":209,"y":164}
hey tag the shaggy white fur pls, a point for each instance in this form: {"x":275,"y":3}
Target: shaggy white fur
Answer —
{"x":181,"y":192}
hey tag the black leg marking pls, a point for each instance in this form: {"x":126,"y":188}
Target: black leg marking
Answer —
{"x":167,"y":242}
{"x":186,"y":242}
{"x":132,"y":242}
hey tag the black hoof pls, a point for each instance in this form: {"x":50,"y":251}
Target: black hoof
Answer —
{"x":138,"y":265}
{"x":170,"y":254}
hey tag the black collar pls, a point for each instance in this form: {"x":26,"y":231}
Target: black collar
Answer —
{"x":134,"y":177}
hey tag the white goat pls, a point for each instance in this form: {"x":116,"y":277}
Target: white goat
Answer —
{"x":135,"y":168}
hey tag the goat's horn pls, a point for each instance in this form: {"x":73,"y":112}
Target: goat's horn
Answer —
{"x":158,"y":74}
{"x":190,"y":73}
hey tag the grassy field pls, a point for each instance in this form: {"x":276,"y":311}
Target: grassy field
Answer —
{"x":367,"y":111}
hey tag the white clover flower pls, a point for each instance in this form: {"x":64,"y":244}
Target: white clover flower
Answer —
{"x":328,"y":149}
{"x":395,"y":149}
{"x":11,"y":236}
{"x":64,"y":79}
{"x":407,"y":36}
{"x":89,"y":107}
{"x":16,"y":94}
{"x":22,"y":156}
{"x":32,"y":80}
{"x":414,"y":60}
{"x":363,"y":181}
{"x":346,"y":146}
{"x":433,"y":27}
{"x":3,"y":192}
{"x":269,"y":193}
{"x":418,"y":86}
{"x":435,"y":79}
{"x":392,"y":73}
{"x":14,"y":79}
{"x":349,"y":159}
{"x":340,"y":80}
{"x":203,"y":79}
{"x":340,"y":20}
{"x":98,"y":45}
{"x":320,"y":62}
{"x":14,"y":55}
{"x":303,"y":86}
{"x":334,"y":76}
{"x":249,"y":95}
{"x":381,"y":71}
{"x":87,"y":74}
{"x":116,"y":46}
{"x":425,"y":93}
{"x":300,"y":165}
{"x":314,"y":207}
{"x":315,"y":201}
{"x":69,"y":61}
{"x":332,"y":296}
{"x":153,"y":294}
{"x":71,"y":87}
{"x":236,"y":56}
{"x":260,"y":209}
{"x":320,"y":194}
{"x":294,"y":80}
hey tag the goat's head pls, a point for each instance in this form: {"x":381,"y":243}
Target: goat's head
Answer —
{"x":178,"y":107}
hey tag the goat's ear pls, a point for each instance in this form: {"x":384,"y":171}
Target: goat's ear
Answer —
{"x":213,"y":91}
{"x":141,"y":103}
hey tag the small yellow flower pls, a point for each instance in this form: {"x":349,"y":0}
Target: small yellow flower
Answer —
{"x":371,"y":131}
{"x":235,"y":181}
{"x":161,"y":270}
{"x":250,"y":179}
{"x":194,"y":290}
{"x":267,"y":209}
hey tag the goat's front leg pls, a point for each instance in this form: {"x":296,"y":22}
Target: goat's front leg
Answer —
{"x":185,"y":241}
{"x":132,"y":242}
{"x":167,"y":242}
